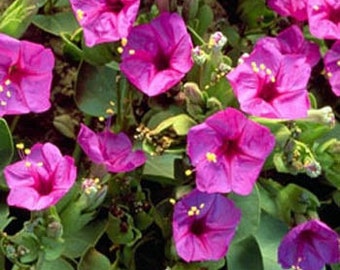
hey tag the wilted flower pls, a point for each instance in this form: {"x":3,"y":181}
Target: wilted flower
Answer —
{"x":332,"y":67}
{"x":292,"y":42}
{"x":105,"y":20}
{"x":41,"y":179}
{"x":228,"y":151}
{"x":269,"y":84}
{"x":25,"y":76}
{"x":112,"y":150}
{"x":310,"y":245}
{"x":204,"y":225}
{"x":157,"y":54}
{"x":324,"y":18}
{"x":293,"y":8}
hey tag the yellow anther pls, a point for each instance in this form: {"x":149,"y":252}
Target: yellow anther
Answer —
{"x":101,"y":118}
{"x":3,"y":103}
{"x":109,"y":111}
{"x":132,"y":52}
{"x":272,"y":79}
{"x":316,"y":7}
{"x":256,"y":69}
{"x":120,"y":49}
{"x":124,"y":42}
{"x":28,"y":164}
{"x":20,"y":146}
{"x":27,"y":151}
{"x":1,"y":88}
{"x":211,"y":157}
{"x":262,"y":66}
{"x":338,"y":63}
{"x":188,"y":172}
{"x":80,"y":14}
{"x":193,"y":211}
{"x":329,"y":74}
{"x":253,"y":64}
{"x":206,"y":87}
{"x":190,"y":213}
{"x":268,"y":71}
{"x":8,"y":82}
{"x":194,"y":208}
{"x":8,"y":94}
{"x":96,"y":180}
{"x":172,"y":201}
{"x":112,"y":103}
{"x":40,"y":164}
{"x":202,"y":205}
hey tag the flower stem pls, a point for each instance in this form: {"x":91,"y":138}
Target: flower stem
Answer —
{"x":192,"y":31}
{"x":14,"y":123}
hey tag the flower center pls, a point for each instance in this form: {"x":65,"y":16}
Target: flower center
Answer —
{"x":198,"y":227}
{"x":268,"y":92}
{"x":115,"y":5}
{"x":161,"y":62}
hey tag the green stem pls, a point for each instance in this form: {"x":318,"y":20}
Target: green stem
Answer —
{"x":192,"y":31}
{"x":77,"y":150}
{"x":14,"y":123}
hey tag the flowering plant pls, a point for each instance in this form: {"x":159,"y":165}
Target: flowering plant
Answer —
{"x":169,"y":135}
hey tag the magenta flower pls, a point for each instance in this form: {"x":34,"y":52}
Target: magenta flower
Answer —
{"x":204,"y":225}
{"x":158,"y":54}
{"x":41,"y":179}
{"x":105,"y":20}
{"x":324,"y":18}
{"x":332,"y":67}
{"x":269,"y":84}
{"x":228,"y":151}
{"x":112,"y":150}
{"x":310,"y":245}
{"x":25,"y":76}
{"x":292,"y":42}
{"x":293,"y":8}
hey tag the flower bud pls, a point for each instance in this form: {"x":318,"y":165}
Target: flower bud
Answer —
{"x":217,"y":40}
{"x":198,"y":55}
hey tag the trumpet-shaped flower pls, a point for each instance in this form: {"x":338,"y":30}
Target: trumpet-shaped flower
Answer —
{"x":269,"y":84}
{"x":324,"y":18}
{"x":105,"y":20}
{"x":41,"y":179}
{"x":228,"y":151}
{"x":292,"y":42}
{"x":204,"y":225}
{"x":310,"y":245}
{"x":112,"y":150}
{"x":158,"y":54}
{"x":332,"y":67}
{"x":25,"y":76}
{"x":293,"y":8}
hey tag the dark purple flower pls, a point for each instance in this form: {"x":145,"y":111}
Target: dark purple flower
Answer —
{"x":105,"y":20}
{"x":324,"y":18}
{"x":332,"y":67}
{"x":293,"y":8}
{"x":228,"y":152}
{"x":112,"y":150}
{"x":158,"y":54}
{"x":204,"y":225}
{"x":292,"y":42}
{"x":309,"y":246}
{"x":269,"y":84}
{"x":25,"y":76}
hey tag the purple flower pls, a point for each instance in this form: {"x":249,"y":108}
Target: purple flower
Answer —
{"x":292,"y":42}
{"x":105,"y":20}
{"x":324,"y":18}
{"x":228,"y":151}
{"x":332,"y":67}
{"x":310,"y":245}
{"x":269,"y":84}
{"x":293,"y":8}
{"x":158,"y":54}
{"x":204,"y":225}
{"x":41,"y":179}
{"x":25,"y":76}
{"x":112,"y":150}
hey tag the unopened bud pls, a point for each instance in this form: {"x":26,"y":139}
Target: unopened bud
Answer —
{"x":217,"y":40}
{"x":198,"y":55}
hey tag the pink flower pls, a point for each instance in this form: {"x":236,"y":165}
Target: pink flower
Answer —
{"x":41,"y":179}
{"x":293,"y":8}
{"x":269,"y":84}
{"x":204,"y":225}
{"x":112,"y":150}
{"x":228,"y":151}
{"x":310,"y":245}
{"x":105,"y":20}
{"x":25,"y":76}
{"x":332,"y":67}
{"x":157,"y":55}
{"x":292,"y":42}
{"x":324,"y":18}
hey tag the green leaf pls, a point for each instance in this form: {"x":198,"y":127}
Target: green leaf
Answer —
{"x":244,"y":255}
{"x":57,"y":24}
{"x":207,"y":265}
{"x":53,"y":248}
{"x":95,"y":88}
{"x":4,"y":216}
{"x":205,"y":17}
{"x":97,"y":55}
{"x":55,"y":265}
{"x":180,"y":123}
{"x":6,"y":144}
{"x":94,"y":260}
{"x":269,"y":236}
{"x":250,"y":207}
{"x":17,"y":17}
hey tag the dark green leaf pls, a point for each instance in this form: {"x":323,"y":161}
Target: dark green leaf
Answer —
{"x":6,"y":144}
{"x":94,"y":260}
